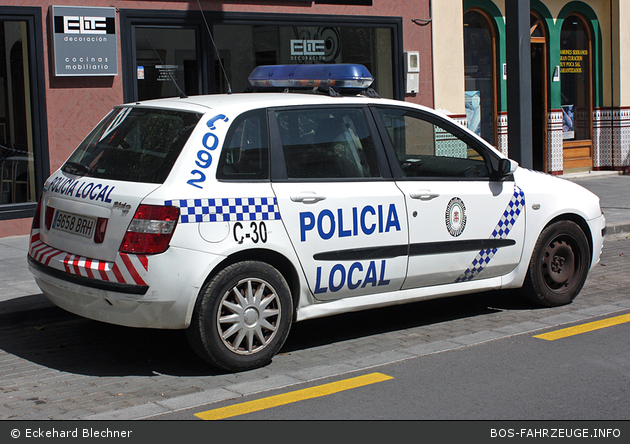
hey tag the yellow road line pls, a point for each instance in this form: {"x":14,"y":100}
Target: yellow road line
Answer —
{"x":583,"y":328}
{"x":298,"y":395}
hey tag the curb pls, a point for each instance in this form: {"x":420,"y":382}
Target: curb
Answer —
{"x":619,"y":228}
{"x":590,"y":174}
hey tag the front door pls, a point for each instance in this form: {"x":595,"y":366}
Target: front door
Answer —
{"x":463,"y":224}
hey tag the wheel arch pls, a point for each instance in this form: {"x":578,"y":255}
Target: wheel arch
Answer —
{"x":270,"y":257}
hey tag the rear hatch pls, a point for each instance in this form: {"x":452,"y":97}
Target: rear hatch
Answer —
{"x":89,"y":203}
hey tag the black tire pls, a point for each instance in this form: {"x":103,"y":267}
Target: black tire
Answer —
{"x":558,"y":266}
{"x":242,"y":317}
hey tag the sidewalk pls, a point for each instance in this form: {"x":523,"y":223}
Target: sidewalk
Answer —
{"x":613,"y":190}
{"x":19,"y":293}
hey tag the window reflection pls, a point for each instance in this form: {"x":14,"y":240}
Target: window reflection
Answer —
{"x":17,"y":179}
{"x":479,"y":74}
{"x":165,"y":60}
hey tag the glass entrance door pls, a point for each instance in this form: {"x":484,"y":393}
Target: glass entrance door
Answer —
{"x":17,"y":168}
{"x":576,"y":86}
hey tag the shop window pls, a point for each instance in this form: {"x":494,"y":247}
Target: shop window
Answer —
{"x":166,"y":61}
{"x":216,"y":52}
{"x":243,"y":47}
{"x":17,"y":160}
{"x":480,"y":69}
{"x":575,"y":78}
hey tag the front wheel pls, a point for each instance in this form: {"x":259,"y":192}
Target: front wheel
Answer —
{"x":559,"y":265}
{"x":242,"y":317}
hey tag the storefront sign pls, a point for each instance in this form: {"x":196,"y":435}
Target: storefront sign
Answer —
{"x":308,"y":50}
{"x":315,"y":44}
{"x":166,"y":73}
{"x":571,"y":60}
{"x":84,"y":41}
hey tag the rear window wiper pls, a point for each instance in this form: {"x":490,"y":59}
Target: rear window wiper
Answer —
{"x":76,"y":168}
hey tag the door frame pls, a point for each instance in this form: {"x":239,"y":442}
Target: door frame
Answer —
{"x":542,"y":40}
{"x":37,"y":73}
{"x":582,"y":144}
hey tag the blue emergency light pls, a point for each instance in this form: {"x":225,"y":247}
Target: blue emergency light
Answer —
{"x":347,"y":76}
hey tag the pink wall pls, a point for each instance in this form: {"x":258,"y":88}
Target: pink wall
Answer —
{"x":76,"y":104}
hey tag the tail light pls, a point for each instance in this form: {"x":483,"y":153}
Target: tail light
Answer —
{"x":101,"y":228}
{"x":48,"y":217}
{"x":151,"y":230}
{"x":35,"y":225}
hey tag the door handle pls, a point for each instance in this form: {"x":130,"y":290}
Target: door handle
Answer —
{"x":308,"y":198}
{"x":423,"y":195}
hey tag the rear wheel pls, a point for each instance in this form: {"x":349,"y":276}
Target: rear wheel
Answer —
{"x":242,"y":317}
{"x":559,"y":265}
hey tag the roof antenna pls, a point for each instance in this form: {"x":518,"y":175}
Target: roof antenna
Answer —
{"x":181,"y":93}
{"x":229,"y":87}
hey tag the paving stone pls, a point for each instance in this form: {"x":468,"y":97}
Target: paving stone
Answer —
{"x":432,"y":347}
{"x":197,"y":399}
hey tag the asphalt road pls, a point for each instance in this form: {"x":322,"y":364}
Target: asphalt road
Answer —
{"x":581,"y":377}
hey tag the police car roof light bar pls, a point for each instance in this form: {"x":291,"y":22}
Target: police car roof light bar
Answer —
{"x":346,"y":76}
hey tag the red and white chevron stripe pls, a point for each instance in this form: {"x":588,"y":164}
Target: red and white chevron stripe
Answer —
{"x":126,"y":269}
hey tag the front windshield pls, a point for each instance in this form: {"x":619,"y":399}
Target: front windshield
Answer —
{"x":133,"y":144}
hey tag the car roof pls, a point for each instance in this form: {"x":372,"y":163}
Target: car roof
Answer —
{"x":245,"y":101}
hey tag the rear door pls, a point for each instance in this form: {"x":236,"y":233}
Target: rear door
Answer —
{"x":465,"y":222}
{"x":345,"y":217}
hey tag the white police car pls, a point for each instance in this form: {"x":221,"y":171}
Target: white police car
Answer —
{"x":233,"y":216}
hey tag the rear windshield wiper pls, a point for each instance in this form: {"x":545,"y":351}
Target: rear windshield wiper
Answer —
{"x":76,"y":168}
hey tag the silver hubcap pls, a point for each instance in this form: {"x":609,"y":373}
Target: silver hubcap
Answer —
{"x":249,"y":316}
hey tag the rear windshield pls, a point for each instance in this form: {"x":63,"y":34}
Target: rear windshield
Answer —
{"x":133,"y":144}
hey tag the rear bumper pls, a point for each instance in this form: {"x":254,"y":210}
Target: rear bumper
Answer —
{"x":104,"y":306}
{"x":116,"y":287}
{"x":123,"y":292}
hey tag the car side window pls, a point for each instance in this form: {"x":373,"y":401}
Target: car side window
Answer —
{"x":326,"y":143}
{"x":425,"y":149}
{"x":245,"y":154}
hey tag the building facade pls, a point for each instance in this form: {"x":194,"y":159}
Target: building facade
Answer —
{"x":64,"y":64}
{"x":580,"y":115}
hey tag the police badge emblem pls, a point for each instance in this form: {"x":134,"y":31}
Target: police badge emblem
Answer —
{"x":455,"y":217}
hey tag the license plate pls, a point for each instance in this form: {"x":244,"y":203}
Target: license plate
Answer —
{"x":75,"y":224}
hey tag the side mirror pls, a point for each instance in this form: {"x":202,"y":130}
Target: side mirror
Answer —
{"x":506,"y":167}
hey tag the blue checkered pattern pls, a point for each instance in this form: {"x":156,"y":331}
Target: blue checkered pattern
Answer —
{"x":226,"y":210}
{"x":501,"y":231}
